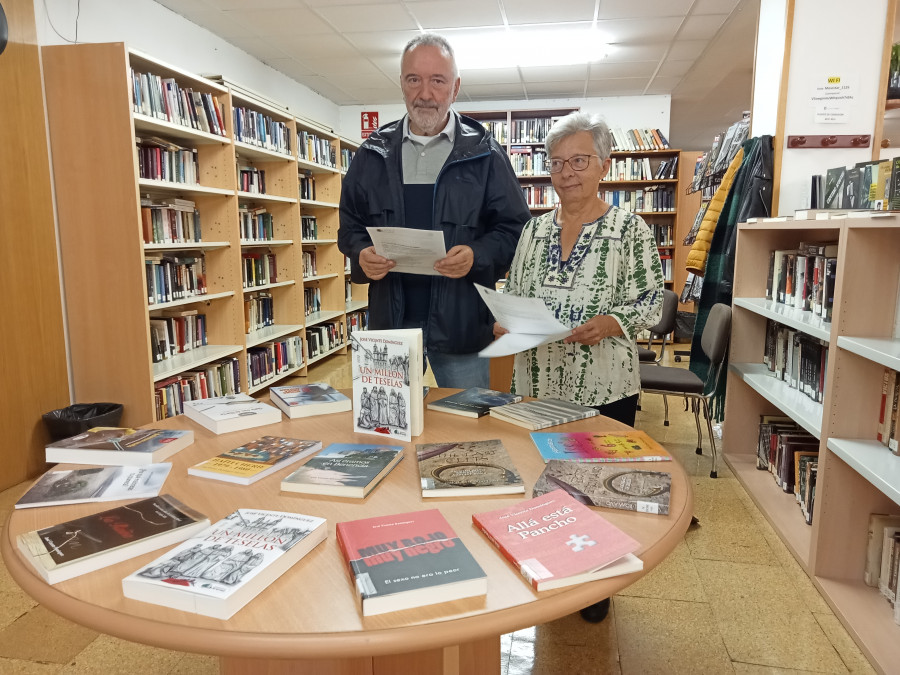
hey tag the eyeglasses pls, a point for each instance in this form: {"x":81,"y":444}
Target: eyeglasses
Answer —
{"x":577,"y":162}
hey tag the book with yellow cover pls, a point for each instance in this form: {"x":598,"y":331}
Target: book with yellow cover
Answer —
{"x":599,"y":446}
{"x":255,"y":460}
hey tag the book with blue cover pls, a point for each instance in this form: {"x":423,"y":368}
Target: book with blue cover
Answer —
{"x":473,"y":402}
{"x":345,"y":470}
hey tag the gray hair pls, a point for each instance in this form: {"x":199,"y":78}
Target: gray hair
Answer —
{"x":581,"y":121}
{"x":432,"y":40}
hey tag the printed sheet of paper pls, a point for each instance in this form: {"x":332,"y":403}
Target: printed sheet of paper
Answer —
{"x":528,"y":321}
{"x":414,"y":251}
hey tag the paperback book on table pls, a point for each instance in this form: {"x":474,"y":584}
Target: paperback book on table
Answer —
{"x":408,"y":560}
{"x":119,"y":446}
{"x":83,"y":545}
{"x":608,"y":485}
{"x":345,"y":470}
{"x":231,"y":413}
{"x":555,"y":540}
{"x":255,"y":460}
{"x":541,"y":413}
{"x":467,"y":468}
{"x":106,"y":484}
{"x":387,"y":383}
{"x":599,"y":446}
{"x":219,"y":570}
{"x":473,"y":402}
{"x":306,"y":400}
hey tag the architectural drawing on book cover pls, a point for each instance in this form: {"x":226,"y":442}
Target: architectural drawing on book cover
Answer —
{"x":381,"y":386}
{"x":229,"y":552}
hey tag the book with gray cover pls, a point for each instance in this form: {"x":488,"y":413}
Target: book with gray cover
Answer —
{"x":609,"y":485}
{"x":105,"y":484}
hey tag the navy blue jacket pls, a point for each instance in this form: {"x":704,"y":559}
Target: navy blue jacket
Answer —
{"x":477,"y":202}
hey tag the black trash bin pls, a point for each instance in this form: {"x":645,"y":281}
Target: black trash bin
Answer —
{"x":80,"y":417}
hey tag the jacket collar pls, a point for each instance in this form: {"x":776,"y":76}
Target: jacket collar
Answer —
{"x":472,"y":138}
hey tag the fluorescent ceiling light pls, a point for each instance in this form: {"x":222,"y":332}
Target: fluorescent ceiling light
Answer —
{"x":506,"y":48}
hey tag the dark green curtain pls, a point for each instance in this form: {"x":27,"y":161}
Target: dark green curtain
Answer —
{"x":750,"y":197}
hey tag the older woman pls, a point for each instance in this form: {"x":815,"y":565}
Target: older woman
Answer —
{"x":597,"y":268}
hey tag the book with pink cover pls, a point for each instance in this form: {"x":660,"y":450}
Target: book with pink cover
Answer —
{"x":599,"y":446}
{"x":556,"y":541}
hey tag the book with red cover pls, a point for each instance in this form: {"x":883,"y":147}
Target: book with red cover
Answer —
{"x":599,"y":446}
{"x":408,"y":560}
{"x":556,"y":541}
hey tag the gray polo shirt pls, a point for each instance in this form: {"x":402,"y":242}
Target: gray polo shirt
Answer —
{"x":424,"y":156}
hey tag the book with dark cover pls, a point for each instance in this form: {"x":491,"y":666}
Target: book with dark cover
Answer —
{"x":828,"y":288}
{"x":219,"y":570}
{"x":834,"y":187}
{"x":541,"y":413}
{"x":90,"y":543}
{"x":345,"y":470}
{"x":257,"y":459}
{"x":408,"y":560}
{"x":555,"y":540}
{"x":473,"y":402}
{"x":305,"y":400}
{"x":609,"y":486}
{"x":105,"y":484}
{"x":231,"y":413}
{"x":600,"y":446}
{"x":467,"y":468}
{"x":117,"y":446}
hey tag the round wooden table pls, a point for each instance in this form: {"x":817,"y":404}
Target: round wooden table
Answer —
{"x":307,"y":621}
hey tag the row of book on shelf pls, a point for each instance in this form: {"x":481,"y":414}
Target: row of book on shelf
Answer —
{"x":164,"y":99}
{"x":791,"y":455}
{"x":650,"y":198}
{"x":214,"y":571}
{"x":170,"y":220}
{"x":804,"y":277}
{"x":163,"y":160}
{"x":882,"y":570}
{"x":639,"y":168}
{"x":798,"y":359}
{"x":873,"y":185}
{"x":174,"y":277}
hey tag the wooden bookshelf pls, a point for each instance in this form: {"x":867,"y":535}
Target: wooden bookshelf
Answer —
{"x":857,"y":476}
{"x":93,"y":123}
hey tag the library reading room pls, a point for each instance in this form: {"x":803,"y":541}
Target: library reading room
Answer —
{"x":607,"y":278}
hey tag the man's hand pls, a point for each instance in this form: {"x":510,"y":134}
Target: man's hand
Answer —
{"x":499,"y":330}
{"x":595,"y":329}
{"x":457,"y":263}
{"x":374,"y":265}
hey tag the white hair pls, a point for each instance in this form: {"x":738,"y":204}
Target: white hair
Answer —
{"x":581,"y":121}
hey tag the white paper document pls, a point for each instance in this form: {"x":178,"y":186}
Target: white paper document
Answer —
{"x":414,"y":251}
{"x":528,"y":321}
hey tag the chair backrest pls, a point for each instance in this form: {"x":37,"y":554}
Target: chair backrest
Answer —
{"x":669,"y":310}
{"x":716,"y":332}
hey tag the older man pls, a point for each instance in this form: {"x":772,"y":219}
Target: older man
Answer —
{"x":434,"y":170}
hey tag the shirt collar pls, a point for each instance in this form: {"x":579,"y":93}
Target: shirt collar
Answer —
{"x":449,"y":131}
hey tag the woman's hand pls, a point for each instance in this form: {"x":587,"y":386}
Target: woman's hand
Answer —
{"x":593,"y":330}
{"x":499,"y":330}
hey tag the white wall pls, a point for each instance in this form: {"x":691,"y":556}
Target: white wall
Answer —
{"x":618,"y":111}
{"x":158,"y":32}
{"x":830,"y":38}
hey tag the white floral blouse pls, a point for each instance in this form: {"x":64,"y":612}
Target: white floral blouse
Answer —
{"x":613,"y":269}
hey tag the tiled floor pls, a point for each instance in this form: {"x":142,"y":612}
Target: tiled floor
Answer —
{"x":730,"y":599}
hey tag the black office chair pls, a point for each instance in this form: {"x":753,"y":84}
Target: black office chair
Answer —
{"x":667,"y":380}
{"x":661,"y":331}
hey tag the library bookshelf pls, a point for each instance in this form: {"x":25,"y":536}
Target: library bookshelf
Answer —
{"x":241,"y":180}
{"x":857,"y":476}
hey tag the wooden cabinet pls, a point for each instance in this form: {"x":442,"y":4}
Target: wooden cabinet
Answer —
{"x":857,"y":475}
{"x":249,"y":178}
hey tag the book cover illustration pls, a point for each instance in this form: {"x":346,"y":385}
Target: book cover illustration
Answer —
{"x":90,"y":535}
{"x":263,"y":455}
{"x":607,"y":485}
{"x":408,"y":553}
{"x":95,"y":484}
{"x":309,"y":399}
{"x":555,"y":540}
{"x":381,"y":385}
{"x":225,"y":558}
{"x":467,"y":468}
{"x":344,"y":468}
{"x":600,"y":446}
{"x":473,"y":402}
